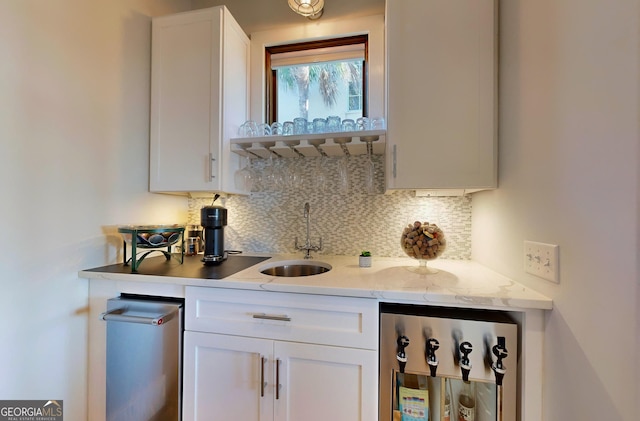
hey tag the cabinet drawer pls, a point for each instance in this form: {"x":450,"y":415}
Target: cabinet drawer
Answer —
{"x":318,"y":319}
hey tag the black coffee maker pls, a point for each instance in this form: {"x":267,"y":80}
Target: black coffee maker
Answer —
{"x":213,"y":220}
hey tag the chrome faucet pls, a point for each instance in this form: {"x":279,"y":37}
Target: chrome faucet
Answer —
{"x":308,"y":247}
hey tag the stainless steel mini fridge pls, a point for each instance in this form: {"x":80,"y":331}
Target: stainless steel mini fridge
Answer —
{"x":144,"y":354}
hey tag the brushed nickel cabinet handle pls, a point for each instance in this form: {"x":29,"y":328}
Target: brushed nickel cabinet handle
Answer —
{"x":282,"y":318}
{"x":394,"y":161}
{"x":211,"y":161}
{"x":263,"y":384}
{"x":278,"y":378}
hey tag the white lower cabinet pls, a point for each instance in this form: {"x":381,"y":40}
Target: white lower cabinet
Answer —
{"x":233,"y":377}
{"x":262,"y":379}
{"x":319,"y":383}
{"x":223,"y":376}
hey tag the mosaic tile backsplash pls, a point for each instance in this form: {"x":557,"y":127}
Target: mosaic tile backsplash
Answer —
{"x":268,"y":220}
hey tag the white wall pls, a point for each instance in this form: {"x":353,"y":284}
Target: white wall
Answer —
{"x":74,"y":128}
{"x":568,"y":175}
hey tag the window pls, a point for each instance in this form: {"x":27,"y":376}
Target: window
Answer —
{"x":317,"y":79}
{"x":355,"y":94}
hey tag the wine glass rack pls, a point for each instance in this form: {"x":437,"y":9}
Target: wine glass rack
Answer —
{"x":311,"y":145}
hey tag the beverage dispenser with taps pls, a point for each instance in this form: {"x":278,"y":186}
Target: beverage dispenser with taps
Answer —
{"x":456,"y":367}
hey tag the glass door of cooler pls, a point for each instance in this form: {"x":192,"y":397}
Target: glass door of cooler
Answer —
{"x":419,"y":397}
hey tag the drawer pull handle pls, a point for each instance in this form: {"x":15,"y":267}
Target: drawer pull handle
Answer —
{"x":282,"y":318}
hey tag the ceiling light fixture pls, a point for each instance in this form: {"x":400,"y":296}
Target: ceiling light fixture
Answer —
{"x":311,"y":9}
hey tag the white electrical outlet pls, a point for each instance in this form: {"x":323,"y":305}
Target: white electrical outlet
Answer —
{"x":542,"y":260}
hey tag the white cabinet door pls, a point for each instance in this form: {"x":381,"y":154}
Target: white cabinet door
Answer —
{"x":199,"y":97}
{"x":319,"y":383}
{"x":223,"y":378}
{"x":441,"y":111}
{"x":233,"y":377}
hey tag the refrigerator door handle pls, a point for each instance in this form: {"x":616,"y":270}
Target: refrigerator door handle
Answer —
{"x":119,"y":315}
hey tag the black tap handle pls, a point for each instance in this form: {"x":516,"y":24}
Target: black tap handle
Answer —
{"x":465,"y":350}
{"x":500,"y":351}
{"x":402,"y":342}
{"x":401,"y":356}
{"x":432,"y":346}
{"x":465,"y":364}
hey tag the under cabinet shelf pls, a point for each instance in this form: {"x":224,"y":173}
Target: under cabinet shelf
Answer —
{"x":310,"y":145}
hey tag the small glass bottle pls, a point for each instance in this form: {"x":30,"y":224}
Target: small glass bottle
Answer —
{"x":467,"y":402}
{"x":446,"y":416}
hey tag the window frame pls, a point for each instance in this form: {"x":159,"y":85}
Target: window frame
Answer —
{"x":372,"y":25}
{"x":271,"y":77}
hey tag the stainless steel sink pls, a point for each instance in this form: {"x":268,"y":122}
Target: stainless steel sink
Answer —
{"x":294,"y":268}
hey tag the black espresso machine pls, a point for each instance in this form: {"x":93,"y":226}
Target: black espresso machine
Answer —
{"x":213,"y":220}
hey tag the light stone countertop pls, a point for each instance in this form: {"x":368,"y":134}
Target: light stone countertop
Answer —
{"x":457,"y":283}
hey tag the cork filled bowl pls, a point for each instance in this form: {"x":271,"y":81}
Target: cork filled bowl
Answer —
{"x":423,"y":241}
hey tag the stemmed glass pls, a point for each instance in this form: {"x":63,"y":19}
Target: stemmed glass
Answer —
{"x":269,"y":174}
{"x":243,"y":177}
{"x":278,"y":177}
{"x":369,"y":170}
{"x":320,"y":175}
{"x":343,"y":173}
{"x":295,"y":179}
{"x":256,"y":177}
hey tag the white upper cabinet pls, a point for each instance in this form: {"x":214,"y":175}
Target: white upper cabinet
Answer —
{"x":199,"y":98}
{"x":442,"y":93}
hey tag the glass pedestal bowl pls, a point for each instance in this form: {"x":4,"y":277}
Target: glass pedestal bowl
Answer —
{"x":423,"y":241}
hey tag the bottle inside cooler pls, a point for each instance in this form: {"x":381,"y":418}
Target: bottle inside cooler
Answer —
{"x":446,"y":408}
{"x":467,"y":402}
{"x":411,"y":397}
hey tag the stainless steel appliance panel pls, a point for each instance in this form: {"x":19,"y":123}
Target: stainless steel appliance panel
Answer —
{"x":144,"y":354}
{"x":451,"y":328}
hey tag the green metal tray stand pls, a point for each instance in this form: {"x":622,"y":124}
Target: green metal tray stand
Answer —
{"x":140,"y":246}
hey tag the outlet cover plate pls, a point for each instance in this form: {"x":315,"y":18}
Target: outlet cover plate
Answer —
{"x":542,"y":260}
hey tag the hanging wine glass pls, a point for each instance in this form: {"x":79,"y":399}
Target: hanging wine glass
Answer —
{"x":320,"y":175}
{"x":343,"y":174}
{"x":369,"y":171}
{"x":243,"y":178}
